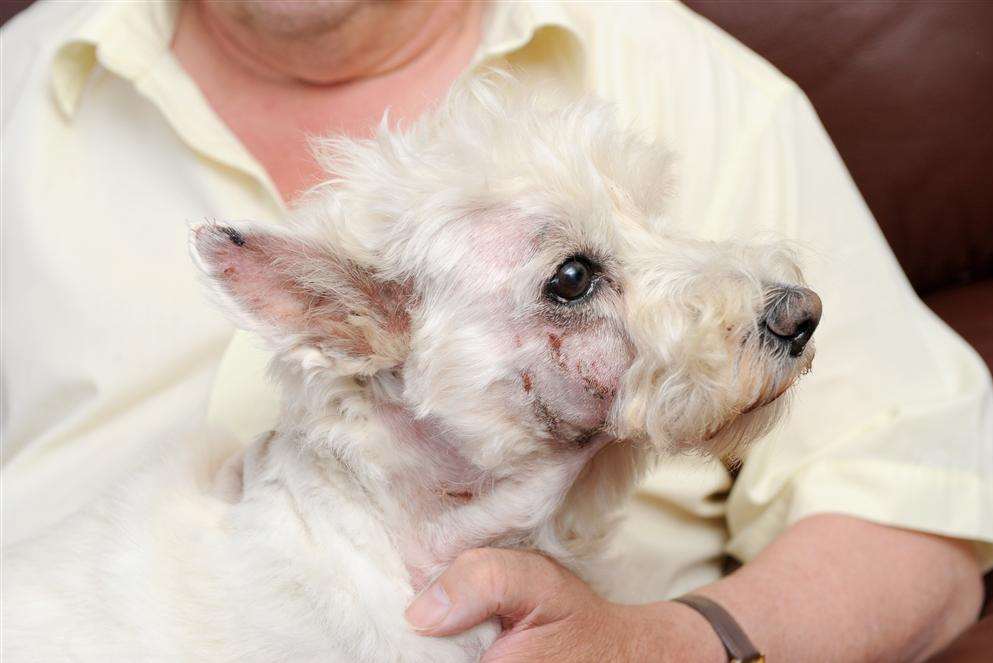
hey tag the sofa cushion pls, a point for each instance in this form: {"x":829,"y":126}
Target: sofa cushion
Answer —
{"x":969,"y":311}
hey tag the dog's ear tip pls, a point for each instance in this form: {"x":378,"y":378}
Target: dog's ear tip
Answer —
{"x":211,"y":234}
{"x":236,"y":237}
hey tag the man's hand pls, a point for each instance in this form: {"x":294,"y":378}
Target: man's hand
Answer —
{"x":550,"y":615}
{"x":829,"y":588}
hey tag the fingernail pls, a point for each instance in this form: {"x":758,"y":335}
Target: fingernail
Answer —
{"x":429,"y":609}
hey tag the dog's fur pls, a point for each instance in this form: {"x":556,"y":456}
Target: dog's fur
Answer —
{"x":437,"y":396}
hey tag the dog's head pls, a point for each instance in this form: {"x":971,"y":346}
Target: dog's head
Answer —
{"x":506,"y":274}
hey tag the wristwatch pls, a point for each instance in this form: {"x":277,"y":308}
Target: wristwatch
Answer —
{"x":737,"y":645}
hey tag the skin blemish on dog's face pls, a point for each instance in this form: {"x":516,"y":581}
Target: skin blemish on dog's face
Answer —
{"x":548,"y":420}
{"x":463,"y":496}
{"x":595,"y":389}
{"x":555,"y":344}
{"x":586,"y":437}
{"x":233,"y":235}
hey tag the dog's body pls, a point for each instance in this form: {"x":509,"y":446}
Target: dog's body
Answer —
{"x":485,"y":330}
{"x":289,"y":563}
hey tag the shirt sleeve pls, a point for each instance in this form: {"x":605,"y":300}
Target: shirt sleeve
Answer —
{"x":895,"y":422}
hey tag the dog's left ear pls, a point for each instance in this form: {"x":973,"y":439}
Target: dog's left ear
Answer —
{"x":294,"y":293}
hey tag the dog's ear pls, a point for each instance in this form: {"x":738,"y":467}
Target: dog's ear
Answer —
{"x":295,"y":293}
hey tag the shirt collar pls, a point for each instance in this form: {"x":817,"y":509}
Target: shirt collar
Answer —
{"x":128,"y":38}
{"x":512,"y":26}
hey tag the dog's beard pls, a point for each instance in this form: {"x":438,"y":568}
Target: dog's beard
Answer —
{"x":765,"y":379}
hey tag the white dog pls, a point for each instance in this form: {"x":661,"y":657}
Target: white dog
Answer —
{"x":485,"y":329}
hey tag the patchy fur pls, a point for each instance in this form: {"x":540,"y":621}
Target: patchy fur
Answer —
{"x":436,"y":395}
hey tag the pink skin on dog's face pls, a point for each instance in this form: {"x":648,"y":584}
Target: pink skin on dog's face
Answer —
{"x":578,"y":375}
{"x":569,"y":373}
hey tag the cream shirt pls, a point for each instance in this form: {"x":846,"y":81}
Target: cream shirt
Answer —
{"x":110,"y":347}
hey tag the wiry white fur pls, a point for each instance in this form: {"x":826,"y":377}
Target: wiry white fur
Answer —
{"x":435,"y":398}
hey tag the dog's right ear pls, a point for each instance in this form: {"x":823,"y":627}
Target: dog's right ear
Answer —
{"x":295,"y":293}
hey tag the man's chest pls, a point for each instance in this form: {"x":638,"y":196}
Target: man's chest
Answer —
{"x":110,"y":343}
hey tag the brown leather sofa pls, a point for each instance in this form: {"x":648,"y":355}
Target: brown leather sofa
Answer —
{"x":906,"y":91}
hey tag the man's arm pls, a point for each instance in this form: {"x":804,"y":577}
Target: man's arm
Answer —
{"x":830,"y":588}
{"x":836,"y":588}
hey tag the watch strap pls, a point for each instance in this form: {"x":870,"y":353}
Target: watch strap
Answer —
{"x":739,"y":648}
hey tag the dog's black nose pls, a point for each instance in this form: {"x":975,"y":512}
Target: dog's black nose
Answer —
{"x":792,"y":317}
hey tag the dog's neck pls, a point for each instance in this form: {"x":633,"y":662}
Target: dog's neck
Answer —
{"x":432,"y":500}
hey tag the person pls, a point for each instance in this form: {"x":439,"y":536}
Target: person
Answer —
{"x":864,"y":521}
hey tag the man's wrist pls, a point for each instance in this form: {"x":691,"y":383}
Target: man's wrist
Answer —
{"x":737,"y":644}
{"x":669,"y":631}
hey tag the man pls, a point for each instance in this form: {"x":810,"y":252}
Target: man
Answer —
{"x":123,"y":121}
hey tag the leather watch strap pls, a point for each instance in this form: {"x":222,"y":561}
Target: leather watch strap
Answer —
{"x":739,"y":648}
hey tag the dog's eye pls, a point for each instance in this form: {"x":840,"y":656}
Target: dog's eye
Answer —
{"x":572,"y":280}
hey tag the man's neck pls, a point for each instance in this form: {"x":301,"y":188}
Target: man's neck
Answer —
{"x":338,"y":43}
{"x":274,"y":108}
